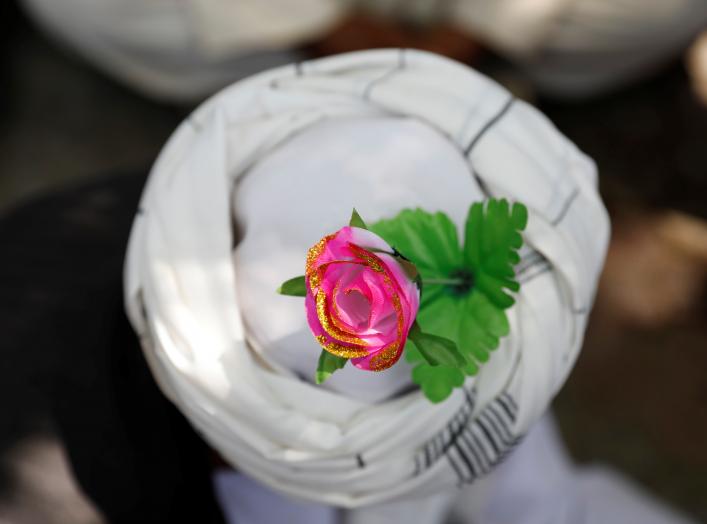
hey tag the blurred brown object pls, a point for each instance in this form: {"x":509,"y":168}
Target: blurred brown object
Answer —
{"x":45,"y":490}
{"x":697,"y":66}
{"x":360,"y":31}
{"x":656,"y":267}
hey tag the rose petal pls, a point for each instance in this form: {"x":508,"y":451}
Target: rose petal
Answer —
{"x":360,"y":303}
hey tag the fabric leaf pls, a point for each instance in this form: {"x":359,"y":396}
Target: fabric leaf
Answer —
{"x":437,"y":382}
{"x":436,"y":350}
{"x":328,"y":363}
{"x":428,"y":240}
{"x":295,"y":287}
{"x":491,"y":240}
{"x":357,"y":221}
{"x":469,"y":308}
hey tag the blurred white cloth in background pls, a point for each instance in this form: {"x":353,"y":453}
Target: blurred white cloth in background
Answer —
{"x":593,"y":46}
{"x":188,"y":49}
{"x":175,"y":49}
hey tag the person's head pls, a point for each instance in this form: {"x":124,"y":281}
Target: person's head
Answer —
{"x":259,"y":174}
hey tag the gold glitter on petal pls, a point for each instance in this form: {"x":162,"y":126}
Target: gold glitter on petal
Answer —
{"x":318,"y":272}
{"x":336,"y":313}
{"x":328,"y":326}
{"x":339,"y":350}
{"x":372,"y":261}
{"x":388,"y":355}
{"x":313,"y":255}
{"x":385,"y":358}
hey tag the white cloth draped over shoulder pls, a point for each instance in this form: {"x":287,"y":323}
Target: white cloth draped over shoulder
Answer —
{"x":259,"y":173}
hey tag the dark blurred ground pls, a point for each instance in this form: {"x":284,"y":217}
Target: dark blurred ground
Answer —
{"x":63,"y":122}
{"x":637,"y":397}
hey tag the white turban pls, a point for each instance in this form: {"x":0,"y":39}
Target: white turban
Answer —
{"x":266,"y":167}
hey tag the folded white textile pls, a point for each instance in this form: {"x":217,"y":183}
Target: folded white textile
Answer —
{"x":377,"y":164}
{"x":537,"y":484}
{"x":593,"y":46}
{"x":249,"y":181}
{"x":166,"y":49}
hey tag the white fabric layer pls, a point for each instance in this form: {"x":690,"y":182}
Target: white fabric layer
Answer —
{"x":244,"y":501}
{"x":538,"y":484}
{"x":187,"y":49}
{"x":377,"y":164}
{"x":184,"y":294}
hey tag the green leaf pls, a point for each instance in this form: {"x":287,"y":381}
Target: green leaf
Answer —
{"x":295,"y":287}
{"x":481,"y":331}
{"x":437,"y":382}
{"x":436,"y":350}
{"x":491,"y":240}
{"x":428,"y":240}
{"x":470,"y":316}
{"x":356,"y":220}
{"x":328,"y":363}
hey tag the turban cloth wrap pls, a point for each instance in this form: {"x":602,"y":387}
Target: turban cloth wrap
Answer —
{"x":203,"y":265}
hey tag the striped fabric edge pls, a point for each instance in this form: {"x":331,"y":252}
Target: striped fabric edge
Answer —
{"x":473,"y":446}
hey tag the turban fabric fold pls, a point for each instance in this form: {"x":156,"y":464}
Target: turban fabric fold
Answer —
{"x":259,"y":173}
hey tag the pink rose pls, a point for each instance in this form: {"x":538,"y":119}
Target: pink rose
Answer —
{"x":360,"y":301}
